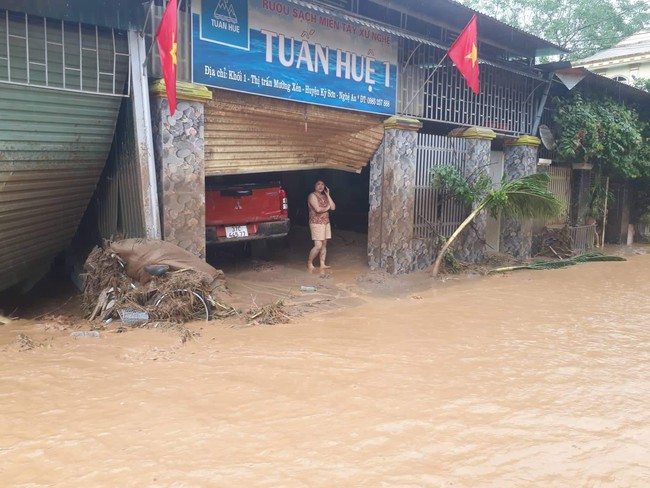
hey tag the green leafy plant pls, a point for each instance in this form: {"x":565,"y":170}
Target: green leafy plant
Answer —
{"x":581,"y":26}
{"x":641,"y":83}
{"x":465,"y":189}
{"x":602,"y":132}
{"x":521,"y":198}
{"x":598,"y":196}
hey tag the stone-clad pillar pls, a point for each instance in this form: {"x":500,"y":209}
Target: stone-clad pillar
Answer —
{"x":178,"y":144}
{"x":392,"y":197}
{"x":470,"y":245}
{"x":520,"y":160}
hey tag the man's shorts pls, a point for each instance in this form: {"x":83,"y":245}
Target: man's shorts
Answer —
{"x":320,"y":232}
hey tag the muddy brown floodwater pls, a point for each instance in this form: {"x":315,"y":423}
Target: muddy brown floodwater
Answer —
{"x":537,"y":378}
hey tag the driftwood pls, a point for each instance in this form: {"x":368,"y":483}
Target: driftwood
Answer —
{"x":102,"y":302}
{"x":270,"y":314}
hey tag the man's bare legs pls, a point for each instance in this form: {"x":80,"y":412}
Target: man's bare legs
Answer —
{"x":320,"y":248}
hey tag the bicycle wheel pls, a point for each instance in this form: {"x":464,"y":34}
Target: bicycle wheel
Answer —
{"x":181,"y":306}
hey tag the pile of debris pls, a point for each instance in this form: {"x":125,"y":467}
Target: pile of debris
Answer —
{"x":143,"y":281}
{"x":271,"y":314}
{"x":554,"y":242}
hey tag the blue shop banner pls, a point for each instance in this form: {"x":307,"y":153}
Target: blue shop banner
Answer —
{"x":284,"y":50}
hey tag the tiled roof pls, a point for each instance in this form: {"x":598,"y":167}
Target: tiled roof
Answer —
{"x":635,"y":45}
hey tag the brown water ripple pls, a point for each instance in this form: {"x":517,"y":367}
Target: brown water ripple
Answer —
{"x":534,"y":379}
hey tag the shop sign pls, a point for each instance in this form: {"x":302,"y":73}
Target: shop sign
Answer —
{"x":285,"y":50}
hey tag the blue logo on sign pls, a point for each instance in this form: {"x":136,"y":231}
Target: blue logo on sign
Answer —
{"x":225,"y":22}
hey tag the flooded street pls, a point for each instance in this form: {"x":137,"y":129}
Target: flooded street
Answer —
{"x":536,"y":378}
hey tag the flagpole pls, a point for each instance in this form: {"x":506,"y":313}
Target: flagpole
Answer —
{"x":425,"y":82}
{"x":146,"y":19}
{"x":412,"y":54}
{"x":153,"y":40}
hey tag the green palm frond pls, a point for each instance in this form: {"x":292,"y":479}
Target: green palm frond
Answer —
{"x":524,"y":198}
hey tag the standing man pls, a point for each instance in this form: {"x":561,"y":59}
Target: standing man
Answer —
{"x":320,"y":203}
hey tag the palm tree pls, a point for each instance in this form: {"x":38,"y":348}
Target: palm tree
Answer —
{"x":522,"y":198}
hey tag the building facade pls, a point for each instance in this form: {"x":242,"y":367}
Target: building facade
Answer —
{"x":627,"y":61}
{"x":286,"y":86}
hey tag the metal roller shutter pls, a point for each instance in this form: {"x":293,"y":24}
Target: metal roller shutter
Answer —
{"x":61,"y":86}
{"x":53,"y":147}
{"x":251,"y":134}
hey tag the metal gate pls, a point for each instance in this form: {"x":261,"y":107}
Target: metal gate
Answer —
{"x":560,"y":186}
{"x":434,"y":213}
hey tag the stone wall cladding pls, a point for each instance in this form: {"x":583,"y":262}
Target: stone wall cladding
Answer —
{"x":470,"y":245}
{"x":516,"y":235}
{"x":391,"y":245}
{"x":399,"y":190}
{"x":392,"y":194}
{"x":520,"y":161}
{"x":374,"y":213}
{"x":178,"y":140}
{"x":423,"y":253}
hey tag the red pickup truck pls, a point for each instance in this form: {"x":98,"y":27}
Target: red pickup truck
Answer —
{"x":248,"y":211}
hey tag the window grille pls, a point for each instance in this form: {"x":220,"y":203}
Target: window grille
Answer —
{"x":184,"y":49}
{"x":37,"y":51}
{"x":505,"y":103}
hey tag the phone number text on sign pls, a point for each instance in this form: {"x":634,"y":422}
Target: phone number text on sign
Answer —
{"x":377,"y":102}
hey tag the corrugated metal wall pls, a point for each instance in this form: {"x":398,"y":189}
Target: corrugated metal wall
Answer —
{"x":118,"y":199}
{"x":250,"y":134}
{"x":61,"y":86}
{"x":53,"y":146}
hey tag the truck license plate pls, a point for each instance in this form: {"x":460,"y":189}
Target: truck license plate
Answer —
{"x":236,"y":231}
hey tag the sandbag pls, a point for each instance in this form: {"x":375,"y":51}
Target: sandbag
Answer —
{"x":138,"y":253}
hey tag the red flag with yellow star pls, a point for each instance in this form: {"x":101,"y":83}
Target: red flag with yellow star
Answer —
{"x":166,"y":37}
{"x":464,"y":53}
